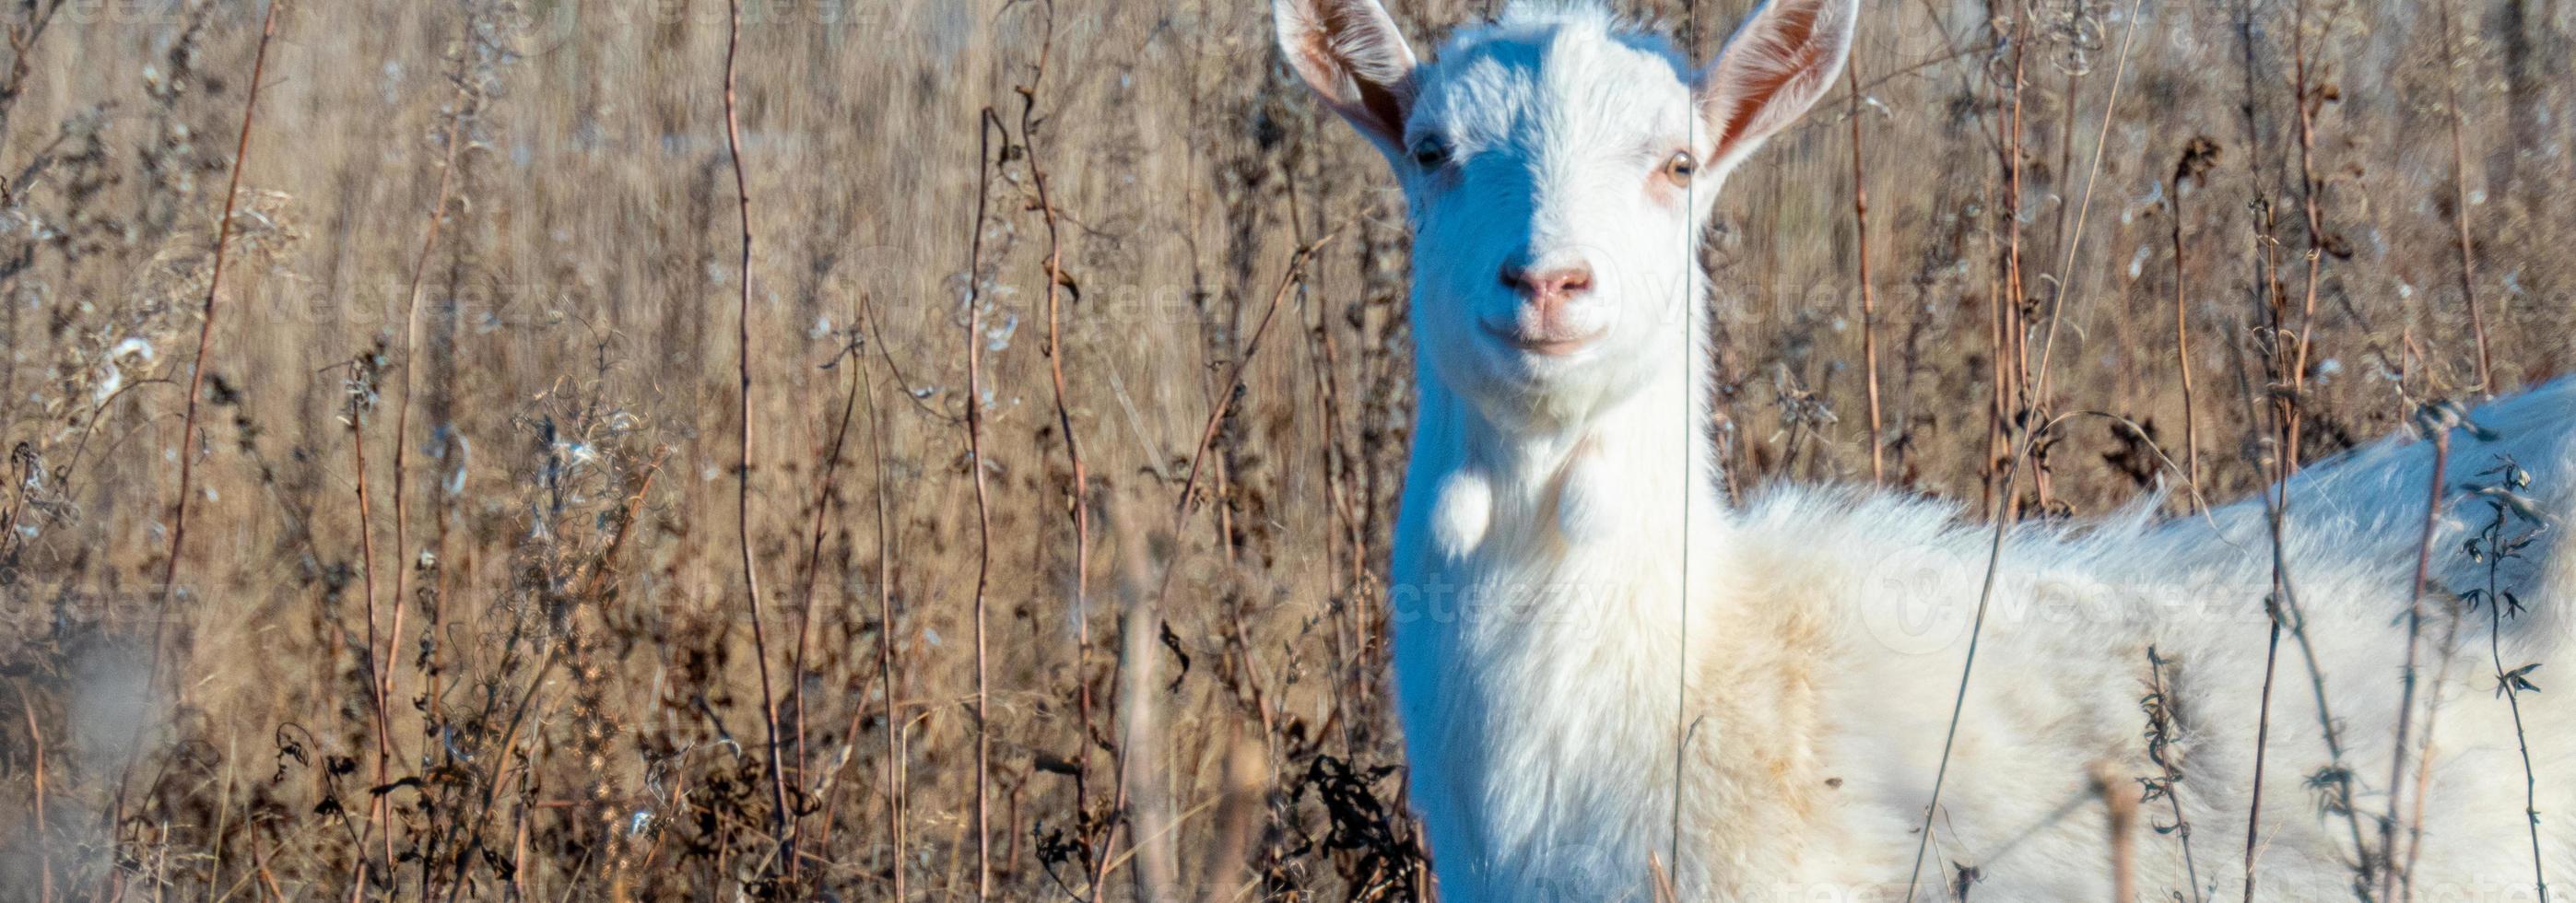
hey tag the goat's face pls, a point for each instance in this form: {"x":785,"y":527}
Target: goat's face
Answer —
{"x":1558,"y":171}
{"x":1550,"y":171}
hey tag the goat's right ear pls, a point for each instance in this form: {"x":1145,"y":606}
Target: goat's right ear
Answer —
{"x":1350,"y":52}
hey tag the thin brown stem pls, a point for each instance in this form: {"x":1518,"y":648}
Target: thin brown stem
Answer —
{"x":2262,"y":741}
{"x":400,"y":439}
{"x":1077,"y":499}
{"x":188,"y":437}
{"x":896,"y":779}
{"x":2391,"y":881}
{"x":2182,"y":332}
{"x":823,"y":498}
{"x":2012,"y":361}
{"x":2449,"y":648}
{"x":2288,"y":384}
{"x":376,"y":652}
{"x":2288,"y":388}
{"x":986,"y":126}
{"x":1868,"y":295}
{"x":2460,"y":206}
{"x":783,"y":816}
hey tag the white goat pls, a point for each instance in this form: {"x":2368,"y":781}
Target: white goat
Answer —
{"x":1599,"y":663}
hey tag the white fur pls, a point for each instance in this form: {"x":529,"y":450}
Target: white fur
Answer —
{"x":1598,"y":663}
{"x":1464,"y":508}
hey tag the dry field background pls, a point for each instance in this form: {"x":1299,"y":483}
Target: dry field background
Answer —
{"x":460,"y":610}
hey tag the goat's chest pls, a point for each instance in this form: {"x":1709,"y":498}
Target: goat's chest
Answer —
{"x":1541,"y":706}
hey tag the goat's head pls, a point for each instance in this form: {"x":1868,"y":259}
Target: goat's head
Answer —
{"x":1558,"y":170}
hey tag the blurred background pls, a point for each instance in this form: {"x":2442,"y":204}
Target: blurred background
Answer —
{"x":1076,"y":321}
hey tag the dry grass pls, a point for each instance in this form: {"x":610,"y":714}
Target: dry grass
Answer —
{"x":1185,"y":682}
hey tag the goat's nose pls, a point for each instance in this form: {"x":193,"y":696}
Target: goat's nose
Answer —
{"x":1548,"y":289}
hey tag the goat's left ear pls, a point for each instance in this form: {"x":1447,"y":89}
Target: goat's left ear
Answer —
{"x":1775,"y":67}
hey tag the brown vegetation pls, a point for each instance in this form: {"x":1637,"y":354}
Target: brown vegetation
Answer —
{"x":1077,"y":402}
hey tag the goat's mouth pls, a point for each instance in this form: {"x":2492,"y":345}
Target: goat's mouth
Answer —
{"x":1543,"y":344}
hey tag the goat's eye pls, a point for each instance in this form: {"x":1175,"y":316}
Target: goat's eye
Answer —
{"x":1430,"y":153}
{"x":1680,"y":166}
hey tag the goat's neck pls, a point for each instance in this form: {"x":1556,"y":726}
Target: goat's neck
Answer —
{"x":1633,"y":474}
{"x":1661,"y":426}
{"x":1531,"y":697}
{"x":1611,"y":498}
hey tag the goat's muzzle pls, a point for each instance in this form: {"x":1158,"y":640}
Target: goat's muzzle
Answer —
{"x":1543,"y":326}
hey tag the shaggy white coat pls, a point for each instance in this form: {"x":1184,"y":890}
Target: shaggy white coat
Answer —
{"x":1598,"y":663}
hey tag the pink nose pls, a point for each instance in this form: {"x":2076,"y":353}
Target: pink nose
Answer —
{"x":1546,"y":291}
